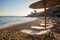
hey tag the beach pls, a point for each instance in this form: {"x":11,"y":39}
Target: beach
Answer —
{"x":13,"y":32}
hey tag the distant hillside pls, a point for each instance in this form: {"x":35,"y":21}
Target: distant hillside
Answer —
{"x":53,"y":11}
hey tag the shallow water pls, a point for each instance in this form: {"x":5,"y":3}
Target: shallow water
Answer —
{"x":6,"y":20}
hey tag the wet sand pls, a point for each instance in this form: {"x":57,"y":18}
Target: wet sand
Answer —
{"x":13,"y":32}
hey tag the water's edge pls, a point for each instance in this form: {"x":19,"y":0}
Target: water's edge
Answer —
{"x":7,"y":25}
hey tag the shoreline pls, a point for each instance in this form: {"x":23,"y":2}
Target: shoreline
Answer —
{"x":8,"y":25}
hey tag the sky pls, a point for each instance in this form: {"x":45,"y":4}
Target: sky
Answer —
{"x":16,"y":7}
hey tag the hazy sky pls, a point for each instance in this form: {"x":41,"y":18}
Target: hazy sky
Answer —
{"x":15,"y":7}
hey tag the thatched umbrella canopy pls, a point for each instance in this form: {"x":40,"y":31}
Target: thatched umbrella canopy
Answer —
{"x":40,"y":4}
{"x":44,"y":4}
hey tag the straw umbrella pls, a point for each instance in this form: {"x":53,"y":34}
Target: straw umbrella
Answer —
{"x":48,"y":3}
{"x":44,"y":4}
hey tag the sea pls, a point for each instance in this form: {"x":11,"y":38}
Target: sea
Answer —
{"x":10,"y":20}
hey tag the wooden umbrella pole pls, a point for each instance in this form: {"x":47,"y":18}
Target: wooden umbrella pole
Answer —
{"x":45,"y":12}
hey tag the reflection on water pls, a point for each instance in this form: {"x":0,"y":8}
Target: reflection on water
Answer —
{"x":5,"y":20}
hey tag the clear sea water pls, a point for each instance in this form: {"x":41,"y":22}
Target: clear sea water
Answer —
{"x":10,"y":20}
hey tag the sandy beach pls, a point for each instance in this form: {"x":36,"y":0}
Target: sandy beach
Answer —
{"x":13,"y":32}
